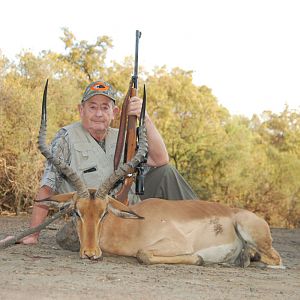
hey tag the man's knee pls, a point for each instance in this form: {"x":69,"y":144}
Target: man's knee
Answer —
{"x":166,"y":182}
{"x":165,"y":170}
{"x":67,"y":237}
{"x":169,"y":173}
{"x":168,"y":169}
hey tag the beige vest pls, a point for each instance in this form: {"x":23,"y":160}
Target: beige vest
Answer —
{"x":89,"y":160}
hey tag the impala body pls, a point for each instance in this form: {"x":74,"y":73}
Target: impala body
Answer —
{"x":163,"y":231}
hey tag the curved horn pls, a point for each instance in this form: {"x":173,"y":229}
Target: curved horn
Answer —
{"x":64,"y":168}
{"x":127,"y":168}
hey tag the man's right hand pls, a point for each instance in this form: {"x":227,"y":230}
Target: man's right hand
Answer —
{"x":27,"y":240}
{"x":30,"y":240}
{"x":39,"y":214}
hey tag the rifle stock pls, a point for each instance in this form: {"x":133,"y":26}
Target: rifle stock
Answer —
{"x":131,"y":133}
{"x":130,"y":148}
{"x":122,"y":129}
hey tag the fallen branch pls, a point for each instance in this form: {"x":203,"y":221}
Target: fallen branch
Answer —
{"x":15,"y":239}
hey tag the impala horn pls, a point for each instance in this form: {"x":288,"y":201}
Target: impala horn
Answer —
{"x":127,"y":168}
{"x":61,"y":166}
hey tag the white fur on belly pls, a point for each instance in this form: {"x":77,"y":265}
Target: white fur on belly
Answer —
{"x":226,"y":253}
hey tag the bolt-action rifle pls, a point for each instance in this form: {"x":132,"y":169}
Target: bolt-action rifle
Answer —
{"x":128,"y":125}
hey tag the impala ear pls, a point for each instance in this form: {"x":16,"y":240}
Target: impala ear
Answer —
{"x":61,"y":198}
{"x":120,"y":210}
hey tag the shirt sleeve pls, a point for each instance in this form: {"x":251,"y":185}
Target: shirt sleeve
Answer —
{"x":59,"y":148}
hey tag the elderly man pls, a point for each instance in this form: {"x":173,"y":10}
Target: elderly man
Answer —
{"x":88,"y":147}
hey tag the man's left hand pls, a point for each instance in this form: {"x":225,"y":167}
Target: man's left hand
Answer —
{"x":135,"y":106}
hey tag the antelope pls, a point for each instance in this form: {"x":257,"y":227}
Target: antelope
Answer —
{"x":158,"y":231}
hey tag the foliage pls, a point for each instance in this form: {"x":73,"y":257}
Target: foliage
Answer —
{"x":251,"y":163}
{"x":85,"y":58}
{"x":190,"y":120}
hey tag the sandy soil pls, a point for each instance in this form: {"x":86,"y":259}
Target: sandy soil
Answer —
{"x":45,"y":271}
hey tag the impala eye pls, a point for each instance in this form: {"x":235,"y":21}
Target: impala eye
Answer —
{"x":76,"y":213}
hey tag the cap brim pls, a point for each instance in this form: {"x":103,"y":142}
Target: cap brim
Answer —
{"x":98,"y":93}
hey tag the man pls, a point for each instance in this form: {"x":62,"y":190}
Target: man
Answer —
{"x":89,"y":146}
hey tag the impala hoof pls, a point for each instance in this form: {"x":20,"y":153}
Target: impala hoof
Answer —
{"x":200,"y":261}
{"x":92,"y":257}
{"x":143,"y":257}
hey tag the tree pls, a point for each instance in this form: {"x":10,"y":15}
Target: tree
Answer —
{"x":189,"y":119}
{"x":85,"y":57}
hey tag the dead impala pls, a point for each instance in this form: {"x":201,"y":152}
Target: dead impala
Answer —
{"x":161,"y":231}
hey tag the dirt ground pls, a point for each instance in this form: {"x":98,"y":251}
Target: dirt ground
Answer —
{"x":45,"y":271}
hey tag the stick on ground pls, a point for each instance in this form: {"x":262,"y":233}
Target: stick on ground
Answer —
{"x":6,"y":243}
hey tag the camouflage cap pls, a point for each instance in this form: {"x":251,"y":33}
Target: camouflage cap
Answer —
{"x":99,"y":88}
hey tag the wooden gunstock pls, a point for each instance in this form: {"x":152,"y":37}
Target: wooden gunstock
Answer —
{"x":130,"y":149}
{"x":131,"y":133}
{"x":122,"y":128}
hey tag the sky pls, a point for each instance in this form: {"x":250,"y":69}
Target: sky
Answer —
{"x":247,"y":52}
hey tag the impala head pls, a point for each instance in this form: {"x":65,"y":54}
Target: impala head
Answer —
{"x":89,"y":213}
{"x":90,"y":205}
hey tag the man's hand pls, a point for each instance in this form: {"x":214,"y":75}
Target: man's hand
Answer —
{"x":30,"y":239}
{"x":27,"y":240}
{"x":135,"y":106}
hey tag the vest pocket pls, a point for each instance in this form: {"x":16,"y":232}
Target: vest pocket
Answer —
{"x":83,"y":151}
{"x":84,"y":155}
{"x":86,"y":164}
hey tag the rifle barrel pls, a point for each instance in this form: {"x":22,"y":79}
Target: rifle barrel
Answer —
{"x":138,"y":35}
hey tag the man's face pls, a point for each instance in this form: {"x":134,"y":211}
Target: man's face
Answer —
{"x":97,"y":113}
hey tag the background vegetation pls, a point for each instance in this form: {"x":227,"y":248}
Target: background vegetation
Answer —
{"x":252,"y":163}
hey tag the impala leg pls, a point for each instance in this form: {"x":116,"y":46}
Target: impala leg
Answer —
{"x":172,"y":250}
{"x":268,"y":255}
{"x":271,"y":257}
{"x":256,"y":232}
{"x":147,"y":257}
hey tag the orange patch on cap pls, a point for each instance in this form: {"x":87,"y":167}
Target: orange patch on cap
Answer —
{"x":99,"y":86}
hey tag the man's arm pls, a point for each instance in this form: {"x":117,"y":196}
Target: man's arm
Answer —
{"x":39,"y":214}
{"x":157,"y":152}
